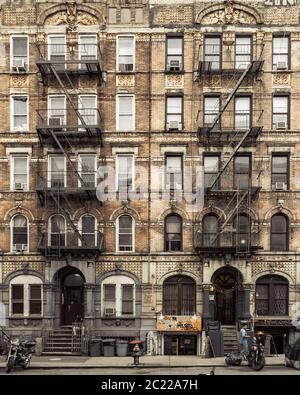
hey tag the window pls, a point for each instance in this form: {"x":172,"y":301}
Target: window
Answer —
{"x":139,"y":15}
{"x":211,"y":170}
{"x":125,"y":234}
{"x":17,"y":292}
{"x":88,"y":230}
{"x":35,"y":301}
{"x":174,"y":54}
{"x":173,"y":233}
{"x":174,"y":113}
{"x":125,"y":15}
{"x":26,"y":296}
{"x":127,"y":299}
{"x":280,"y":112}
{"x":211,"y":109}
{"x":57,"y":51}
{"x":242,"y":227}
{"x":242,"y":119}
{"x":19,"y":173}
{"x":19,"y":106}
{"x":57,"y":231}
{"x":125,"y":53}
{"x":281,"y":46}
{"x":87,"y":171}
{"x":125,"y":113}
{"x":279,"y":233}
{"x":87,"y":48}
{"x":242,"y":172}
{"x":210,"y":228}
{"x":88,"y":109}
{"x":212,"y":52}
{"x":125,"y":165}
{"x":118,"y":296}
{"x":272,"y":295}
{"x":19,"y":54}
{"x":19,"y":233}
{"x":112,"y":15}
{"x":179,"y":296}
{"x":57,"y":110}
{"x":57,"y":174}
{"x":243,"y":52}
{"x":280,"y":171}
{"x":173,"y":179}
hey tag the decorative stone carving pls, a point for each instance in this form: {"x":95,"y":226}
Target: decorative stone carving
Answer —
{"x":174,"y":81}
{"x":228,"y":15}
{"x":125,"y":80}
{"x":19,"y":16}
{"x":19,"y":81}
{"x":281,"y":79}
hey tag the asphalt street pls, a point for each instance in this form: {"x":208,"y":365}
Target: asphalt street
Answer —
{"x":243,"y":370}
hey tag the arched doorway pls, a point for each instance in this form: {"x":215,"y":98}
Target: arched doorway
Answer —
{"x":72,"y":295}
{"x":226,"y":282}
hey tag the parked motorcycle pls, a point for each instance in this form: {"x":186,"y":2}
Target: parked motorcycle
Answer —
{"x":19,"y":353}
{"x":255,"y":357}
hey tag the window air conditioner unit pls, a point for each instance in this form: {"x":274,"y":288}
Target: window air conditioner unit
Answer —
{"x":57,"y":184}
{"x":281,"y":65}
{"x":173,"y":125}
{"x":280,"y":186}
{"x":19,"y":65}
{"x":55,"y":121}
{"x":20,"y":247}
{"x":174,"y":65}
{"x":109,"y":311}
{"x":126,"y":67}
{"x":19,"y":186}
{"x":281,"y":126}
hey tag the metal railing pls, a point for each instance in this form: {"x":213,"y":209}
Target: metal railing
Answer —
{"x":226,"y":239}
{"x":65,"y":181}
{"x":66,"y":241}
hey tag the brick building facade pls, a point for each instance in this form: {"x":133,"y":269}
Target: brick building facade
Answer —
{"x":163,"y":88}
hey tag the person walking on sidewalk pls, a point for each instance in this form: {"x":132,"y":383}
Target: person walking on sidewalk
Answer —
{"x":243,"y":341}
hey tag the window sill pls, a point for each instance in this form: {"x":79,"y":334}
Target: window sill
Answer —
{"x":174,"y":72}
{"x":125,"y":72}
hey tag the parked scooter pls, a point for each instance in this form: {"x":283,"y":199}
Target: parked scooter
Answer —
{"x":255,"y":357}
{"x":19,"y":353}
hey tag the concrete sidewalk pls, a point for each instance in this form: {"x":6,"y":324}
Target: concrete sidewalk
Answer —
{"x":73,"y":362}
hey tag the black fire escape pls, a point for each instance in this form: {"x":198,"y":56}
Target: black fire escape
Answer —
{"x":227,"y":131}
{"x":62,"y":129}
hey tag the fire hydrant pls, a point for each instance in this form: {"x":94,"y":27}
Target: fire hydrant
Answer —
{"x":136,"y":352}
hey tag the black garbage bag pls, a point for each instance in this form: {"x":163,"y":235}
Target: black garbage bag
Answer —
{"x":233,"y":359}
{"x":292,"y":355}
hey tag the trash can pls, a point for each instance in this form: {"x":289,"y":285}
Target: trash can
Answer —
{"x":94,"y":348}
{"x":108,"y":347}
{"x":121,"y":348}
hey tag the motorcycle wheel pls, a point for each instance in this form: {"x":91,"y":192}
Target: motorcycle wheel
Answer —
{"x":10,"y":364}
{"x":260,"y":365}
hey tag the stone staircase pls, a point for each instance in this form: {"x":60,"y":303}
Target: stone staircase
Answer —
{"x":60,"y":342}
{"x":230,"y":338}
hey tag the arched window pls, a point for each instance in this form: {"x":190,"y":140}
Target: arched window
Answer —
{"x":118,"y":296}
{"x":19,"y":233}
{"x":125,"y":235}
{"x":210,"y":231}
{"x":26,"y":296}
{"x":57,"y":231}
{"x":272,"y":293}
{"x":279,"y":233}
{"x":179,"y":296}
{"x":242,"y":226}
{"x":173,"y":233}
{"x":88,"y":230}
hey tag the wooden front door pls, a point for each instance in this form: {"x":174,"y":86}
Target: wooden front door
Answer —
{"x":72,"y":299}
{"x":226,"y":295}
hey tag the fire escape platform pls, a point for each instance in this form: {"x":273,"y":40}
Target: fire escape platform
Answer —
{"x":224,"y":193}
{"x":87,"y":135}
{"x":223,"y":251}
{"x":223,"y":136}
{"x":205,"y":68}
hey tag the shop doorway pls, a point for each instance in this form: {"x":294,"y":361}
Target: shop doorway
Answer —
{"x":225,"y":282}
{"x":180,"y":345}
{"x":72,"y":296}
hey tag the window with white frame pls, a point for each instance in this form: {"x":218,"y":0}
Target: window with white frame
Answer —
{"x":57,"y":110}
{"x":242,"y":118}
{"x":125,"y":56}
{"x":125,"y":113}
{"x":173,"y":176}
{"x":118,"y":296}
{"x":19,"y":233}
{"x":19,"y":113}
{"x":88,"y":230}
{"x":174,"y":114}
{"x":57,"y":231}
{"x":211,"y":109}
{"x":125,"y":165}
{"x":19,"y":173}
{"x":57,"y":51}
{"x":281,"y":52}
{"x":243,"y":52}
{"x":19,"y":54}
{"x":125,"y":233}
{"x":174,"y":53}
{"x":26,"y":296}
{"x":87,"y":47}
{"x":57,"y":172}
{"x":88,"y":109}
{"x":280,"y":118}
{"x":87,"y":171}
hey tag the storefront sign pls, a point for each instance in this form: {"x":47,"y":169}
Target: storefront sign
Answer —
{"x":273,"y":323}
{"x":178,"y":323}
{"x":277,"y":3}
